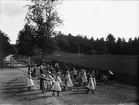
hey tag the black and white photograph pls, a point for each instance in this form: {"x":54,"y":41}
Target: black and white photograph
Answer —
{"x":69,"y":52}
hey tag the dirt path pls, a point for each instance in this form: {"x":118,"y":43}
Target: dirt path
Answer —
{"x":13,"y":91}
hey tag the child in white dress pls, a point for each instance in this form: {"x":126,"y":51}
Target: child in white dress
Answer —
{"x":93,"y":76}
{"x":84,"y":78}
{"x":91,"y":85}
{"x":50,"y":81}
{"x":29,"y":81}
{"x":69,"y":83}
{"x":57,"y":84}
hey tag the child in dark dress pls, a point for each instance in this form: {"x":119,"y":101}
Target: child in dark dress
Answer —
{"x":42,"y":78}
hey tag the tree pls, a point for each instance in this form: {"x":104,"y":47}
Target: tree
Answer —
{"x":25,"y":41}
{"x":63,"y":43}
{"x":118,"y":45}
{"x":110,"y":40}
{"x":124,"y":47}
{"x":5,"y":47}
{"x":44,"y":16}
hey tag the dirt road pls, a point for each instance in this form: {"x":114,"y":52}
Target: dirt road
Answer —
{"x":13,"y":91}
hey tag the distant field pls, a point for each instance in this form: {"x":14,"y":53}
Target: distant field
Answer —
{"x":124,"y":67}
{"x":122,"y":64}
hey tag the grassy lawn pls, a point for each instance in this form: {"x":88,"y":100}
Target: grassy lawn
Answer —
{"x":13,"y":91}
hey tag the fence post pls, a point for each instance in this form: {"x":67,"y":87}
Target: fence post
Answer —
{"x":28,"y":61}
{"x":11,"y":62}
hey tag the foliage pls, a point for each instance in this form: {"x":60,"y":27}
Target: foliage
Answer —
{"x":25,"y":41}
{"x":69,"y":43}
{"x":42,"y":14}
{"x":40,"y":38}
{"x":5,"y":47}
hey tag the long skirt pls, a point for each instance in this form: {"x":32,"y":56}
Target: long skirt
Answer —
{"x":91,"y":85}
{"x":94,"y":80}
{"x":84,"y":79}
{"x":48,"y":84}
{"x":56,"y":86}
{"x":69,"y":83}
{"x":42,"y":87}
{"x":30,"y":82}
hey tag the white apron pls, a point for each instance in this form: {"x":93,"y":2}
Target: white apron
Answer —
{"x":29,"y":81}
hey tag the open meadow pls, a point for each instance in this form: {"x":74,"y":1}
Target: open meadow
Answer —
{"x":116,"y":63}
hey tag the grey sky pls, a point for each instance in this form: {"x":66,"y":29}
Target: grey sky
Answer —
{"x":93,"y":18}
{"x":10,"y":9}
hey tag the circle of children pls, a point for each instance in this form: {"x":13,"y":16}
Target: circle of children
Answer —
{"x":56,"y":80}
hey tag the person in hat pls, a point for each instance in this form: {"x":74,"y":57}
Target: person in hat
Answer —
{"x":57,"y":84}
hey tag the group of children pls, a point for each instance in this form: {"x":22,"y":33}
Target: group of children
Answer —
{"x":55,"y":80}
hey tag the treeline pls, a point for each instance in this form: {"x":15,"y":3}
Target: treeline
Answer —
{"x":110,"y":45}
{"x":30,"y":43}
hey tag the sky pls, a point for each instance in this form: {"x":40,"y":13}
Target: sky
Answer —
{"x":92,"y":18}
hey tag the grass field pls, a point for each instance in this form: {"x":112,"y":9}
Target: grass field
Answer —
{"x":124,"y":67}
{"x":122,"y":64}
{"x":13,"y":91}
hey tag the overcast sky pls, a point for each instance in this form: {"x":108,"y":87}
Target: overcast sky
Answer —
{"x":93,"y":18}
